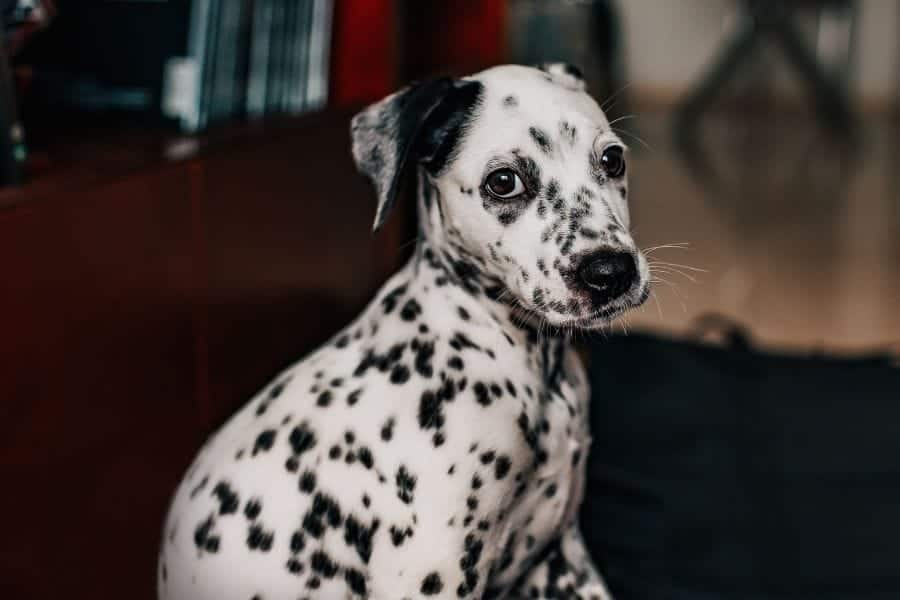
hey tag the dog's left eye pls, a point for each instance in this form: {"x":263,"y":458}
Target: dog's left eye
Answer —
{"x":613,"y":161}
{"x":504,"y":184}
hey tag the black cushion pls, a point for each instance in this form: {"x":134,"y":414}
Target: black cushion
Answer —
{"x":732,"y":473}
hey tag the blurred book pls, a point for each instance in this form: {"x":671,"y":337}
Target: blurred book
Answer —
{"x":250,"y":58}
{"x":194,"y":62}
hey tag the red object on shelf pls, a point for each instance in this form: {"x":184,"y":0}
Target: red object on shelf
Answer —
{"x":364,"y":52}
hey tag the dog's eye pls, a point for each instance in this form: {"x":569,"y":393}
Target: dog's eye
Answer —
{"x":504,"y":184}
{"x":613,"y":161}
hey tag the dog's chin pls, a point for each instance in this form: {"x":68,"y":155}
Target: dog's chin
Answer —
{"x":603,"y":314}
{"x":600,"y":316}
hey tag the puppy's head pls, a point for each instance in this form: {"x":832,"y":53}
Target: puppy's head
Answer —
{"x":522,"y":175}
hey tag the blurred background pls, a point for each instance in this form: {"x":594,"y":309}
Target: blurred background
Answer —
{"x":180,"y":218}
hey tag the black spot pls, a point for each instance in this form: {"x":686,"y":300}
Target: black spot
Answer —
{"x":476,"y":482}
{"x":481,"y":393}
{"x":463,"y":313}
{"x":342,"y":341}
{"x":325,"y":506}
{"x":406,"y":484}
{"x":432,"y":584}
{"x":359,"y":537}
{"x":308,"y":482}
{"x":203,"y":538}
{"x":411,"y":310}
{"x":313,"y":525}
{"x":424,"y":354}
{"x":542,"y":140}
{"x":550,"y":491}
{"x":199,"y":487}
{"x":334,"y":452}
{"x":324,"y":398}
{"x":510,"y":101}
{"x":298,"y":542}
{"x":366,"y":500}
{"x":430,"y":413}
{"x":321,"y":563}
{"x":496,"y":390}
{"x":387,"y":430}
{"x":399,"y":535}
{"x":389,"y":302}
{"x":302,"y":438}
{"x":259,"y":539}
{"x":228,"y":499}
{"x":501,"y":467}
{"x":252,"y":508}
{"x":294,"y":566}
{"x":355,"y":581}
{"x":456,"y":363}
{"x":353,"y":397}
{"x":365,"y":457}
{"x":400,"y":374}
{"x":487,"y":457}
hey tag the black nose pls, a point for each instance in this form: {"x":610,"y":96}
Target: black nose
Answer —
{"x":609,"y":274}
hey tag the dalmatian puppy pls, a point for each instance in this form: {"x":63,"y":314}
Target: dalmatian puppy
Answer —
{"x":435,"y":448}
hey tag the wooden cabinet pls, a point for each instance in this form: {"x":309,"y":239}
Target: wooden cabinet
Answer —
{"x":141,"y":301}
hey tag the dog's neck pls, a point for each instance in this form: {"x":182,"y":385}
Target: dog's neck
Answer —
{"x":456,"y":273}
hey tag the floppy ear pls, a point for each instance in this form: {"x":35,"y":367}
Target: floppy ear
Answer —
{"x":565,"y":74}
{"x":419,"y":124}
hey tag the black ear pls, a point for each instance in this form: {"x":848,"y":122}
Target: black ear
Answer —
{"x":422,"y":123}
{"x":565,"y":74}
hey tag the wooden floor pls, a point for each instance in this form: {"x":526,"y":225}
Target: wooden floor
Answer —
{"x":798,"y":238}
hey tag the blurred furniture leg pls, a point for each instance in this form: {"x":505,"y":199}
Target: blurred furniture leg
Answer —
{"x":759,"y":19}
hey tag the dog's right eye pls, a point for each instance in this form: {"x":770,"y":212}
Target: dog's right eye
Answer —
{"x":504,"y":184}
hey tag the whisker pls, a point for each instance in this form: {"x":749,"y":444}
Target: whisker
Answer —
{"x":680,"y":266}
{"x":635,"y":136}
{"x":622,"y":118}
{"x":606,"y":103}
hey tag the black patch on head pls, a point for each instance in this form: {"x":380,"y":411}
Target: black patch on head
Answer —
{"x":542,"y":140}
{"x":422,"y":124}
